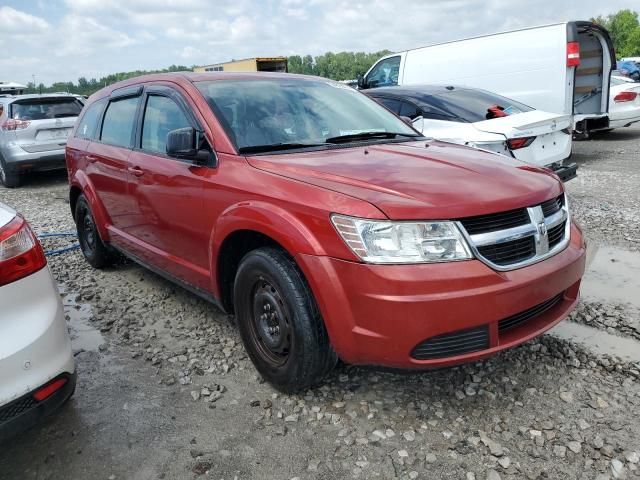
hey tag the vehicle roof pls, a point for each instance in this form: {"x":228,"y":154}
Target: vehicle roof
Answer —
{"x":419,"y":93}
{"x":6,"y":214}
{"x":192,"y":77}
{"x":29,"y":96}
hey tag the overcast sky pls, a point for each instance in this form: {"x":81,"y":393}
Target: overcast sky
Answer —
{"x":61,"y":40}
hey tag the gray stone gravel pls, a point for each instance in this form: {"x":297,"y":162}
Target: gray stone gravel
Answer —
{"x":172,"y":394}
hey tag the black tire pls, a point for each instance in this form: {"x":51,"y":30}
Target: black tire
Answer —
{"x":8,"y":179}
{"x":94,"y":250}
{"x":279,"y":321}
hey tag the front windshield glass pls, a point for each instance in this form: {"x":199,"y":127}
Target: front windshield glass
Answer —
{"x":293,"y":111}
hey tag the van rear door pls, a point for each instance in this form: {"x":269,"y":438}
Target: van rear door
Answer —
{"x":590,"y":60}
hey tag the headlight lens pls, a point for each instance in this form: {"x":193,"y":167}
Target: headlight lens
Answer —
{"x":376,"y":241}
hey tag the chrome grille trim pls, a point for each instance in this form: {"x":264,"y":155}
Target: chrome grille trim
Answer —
{"x":538,"y":228}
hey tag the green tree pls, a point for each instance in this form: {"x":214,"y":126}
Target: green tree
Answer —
{"x":337,"y":66}
{"x":624,"y":29}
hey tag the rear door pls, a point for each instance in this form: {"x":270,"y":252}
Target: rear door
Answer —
{"x":44,"y":122}
{"x":108,"y":159}
{"x":169,"y":230}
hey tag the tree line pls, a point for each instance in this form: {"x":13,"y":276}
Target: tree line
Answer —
{"x":624,"y":29}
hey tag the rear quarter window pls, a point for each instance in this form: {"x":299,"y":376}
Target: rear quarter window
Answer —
{"x":45,"y":108}
{"x":89,"y":121}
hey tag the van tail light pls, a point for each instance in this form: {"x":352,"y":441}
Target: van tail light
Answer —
{"x":516,"y":143}
{"x":12,"y":124}
{"x":625,"y":97}
{"x":20,"y":252}
{"x":573,"y":54}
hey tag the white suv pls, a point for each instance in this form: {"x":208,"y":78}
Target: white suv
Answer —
{"x":37,"y":368}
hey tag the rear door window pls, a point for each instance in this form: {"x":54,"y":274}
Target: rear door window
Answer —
{"x":89,"y":121}
{"x":45,"y":108}
{"x":391,"y":103}
{"x":162,"y":114}
{"x":408,"y":109}
{"x":465,"y":105}
{"x":119,"y":119}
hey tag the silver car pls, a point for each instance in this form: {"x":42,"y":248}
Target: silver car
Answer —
{"x":33,"y":133}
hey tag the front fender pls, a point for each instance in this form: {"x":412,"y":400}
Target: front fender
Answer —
{"x":81,"y":181}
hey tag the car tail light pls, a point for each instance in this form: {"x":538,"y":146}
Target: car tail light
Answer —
{"x":13,"y":124}
{"x":516,"y":143}
{"x":20,"y":252}
{"x":625,"y":97}
{"x":573,"y":54}
{"x":49,"y":389}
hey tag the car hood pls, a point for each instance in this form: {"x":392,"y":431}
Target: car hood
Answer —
{"x":419,"y":180}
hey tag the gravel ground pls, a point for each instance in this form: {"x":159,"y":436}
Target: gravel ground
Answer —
{"x":166,"y":391}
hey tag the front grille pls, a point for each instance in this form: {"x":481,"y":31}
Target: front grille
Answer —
{"x":16,"y":408}
{"x":495,"y":221}
{"x":556,"y":234}
{"x":552,"y":206}
{"x":452,"y":344}
{"x":508,"y":253}
{"x":519,"y":318}
{"x":519,"y":237}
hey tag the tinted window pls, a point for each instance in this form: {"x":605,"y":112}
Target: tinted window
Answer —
{"x":89,"y":121}
{"x":462,"y":105}
{"x":117,"y":126}
{"x":409,"y":110}
{"x":384,"y":73}
{"x":46,"y":108}
{"x":390,"y":103}
{"x":269,"y":112}
{"x":161,"y":116}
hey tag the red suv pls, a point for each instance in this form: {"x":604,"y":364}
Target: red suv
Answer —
{"x":325,"y":223}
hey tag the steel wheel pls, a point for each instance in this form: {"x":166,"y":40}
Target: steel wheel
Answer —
{"x":271,"y":324}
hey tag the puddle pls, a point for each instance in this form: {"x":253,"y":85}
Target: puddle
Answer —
{"x":598,"y":341}
{"x":84,"y":337}
{"x":612,"y":275}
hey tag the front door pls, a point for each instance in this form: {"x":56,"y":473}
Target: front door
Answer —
{"x":168,"y":230}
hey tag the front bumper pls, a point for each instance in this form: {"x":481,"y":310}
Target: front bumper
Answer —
{"x":26,"y":411}
{"x":378,"y":314}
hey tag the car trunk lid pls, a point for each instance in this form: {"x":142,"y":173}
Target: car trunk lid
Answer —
{"x":526,"y":124}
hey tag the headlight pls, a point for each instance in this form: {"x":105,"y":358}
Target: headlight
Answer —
{"x":376,"y":241}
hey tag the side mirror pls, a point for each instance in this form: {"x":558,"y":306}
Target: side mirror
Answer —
{"x":185,"y":143}
{"x":406,"y":120}
{"x":418,"y":123}
{"x":361,"y":83}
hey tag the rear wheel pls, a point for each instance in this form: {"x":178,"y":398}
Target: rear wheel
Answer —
{"x":94,"y":250}
{"x":279,"y":321}
{"x":8,"y":179}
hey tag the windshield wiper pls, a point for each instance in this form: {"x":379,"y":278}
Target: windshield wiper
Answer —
{"x":366,"y":135}
{"x":273,"y":147}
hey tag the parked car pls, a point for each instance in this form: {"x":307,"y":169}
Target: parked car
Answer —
{"x":328,"y":226}
{"x":624,"y":106}
{"x":33,"y":133}
{"x":37,"y":370}
{"x":562,"y":68}
{"x":474,"y":117}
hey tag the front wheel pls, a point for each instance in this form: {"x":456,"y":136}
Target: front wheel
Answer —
{"x":94,"y":250}
{"x":279,"y":321}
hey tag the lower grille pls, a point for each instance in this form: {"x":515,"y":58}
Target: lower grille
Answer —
{"x":452,"y":344}
{"x":519,"y":318}
{"x":12,"y":410}
{"x":508,"y":253}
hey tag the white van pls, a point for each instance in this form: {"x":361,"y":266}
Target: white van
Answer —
{"x":562,"y":68}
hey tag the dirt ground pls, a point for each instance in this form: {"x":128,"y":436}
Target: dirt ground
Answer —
{"x":166,"y":391}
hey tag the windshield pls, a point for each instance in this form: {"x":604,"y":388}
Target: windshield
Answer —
{"x":472,"y":106}
{"x":297,"y":112}
{"x":45,"y":108}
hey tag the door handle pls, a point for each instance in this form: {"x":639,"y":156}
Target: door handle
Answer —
{"x":137,"y":171}
{"x":91,"y":159}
